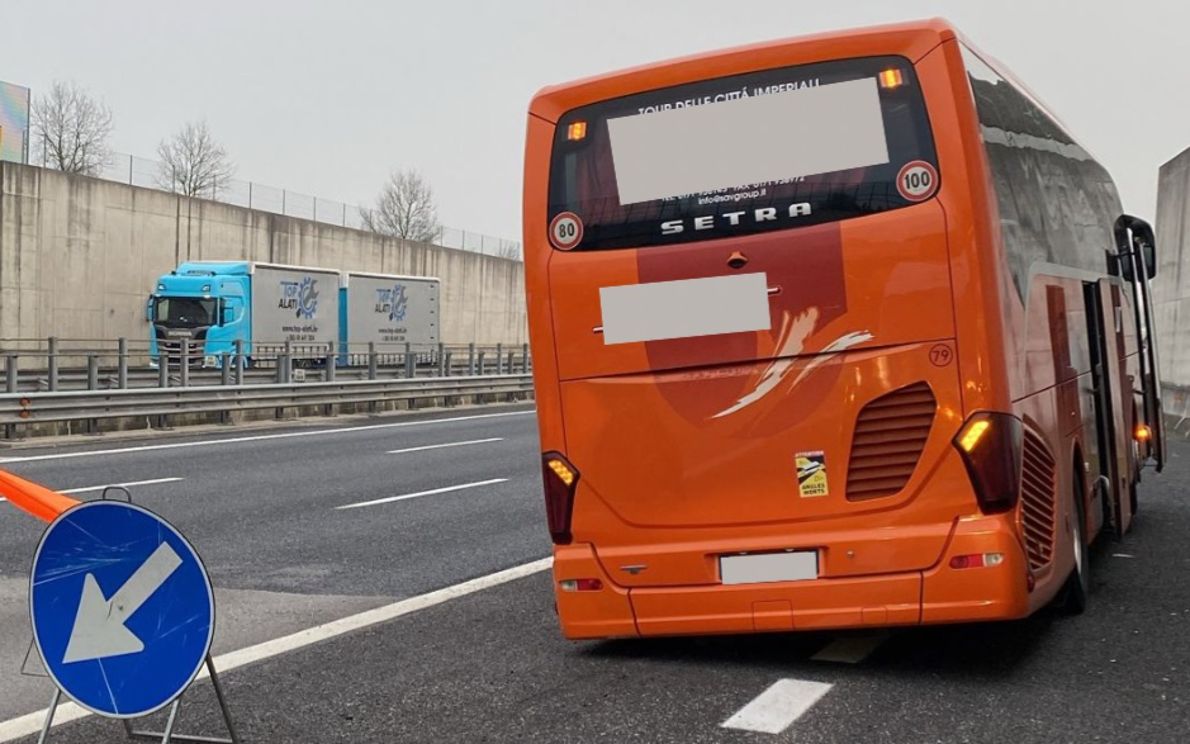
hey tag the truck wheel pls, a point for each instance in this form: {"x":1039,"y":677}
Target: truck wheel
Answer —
{"x":1073,"y":596}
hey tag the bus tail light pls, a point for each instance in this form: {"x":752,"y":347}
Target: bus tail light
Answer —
{"x":990,"y":444}
{"x":560,"y":479}
{"x":977,"y":560}
{"x":580,"y":585}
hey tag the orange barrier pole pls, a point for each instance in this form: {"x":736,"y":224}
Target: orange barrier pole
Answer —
{"x":35,"y":499}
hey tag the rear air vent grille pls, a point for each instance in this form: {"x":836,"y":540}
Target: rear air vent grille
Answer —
{"x":1037,"y":501}
{"x":890,"y":433}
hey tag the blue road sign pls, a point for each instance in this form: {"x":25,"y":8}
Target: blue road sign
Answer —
{"x":122,"y":608}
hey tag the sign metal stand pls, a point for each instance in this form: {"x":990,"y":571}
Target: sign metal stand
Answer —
{"x":166,"y":736}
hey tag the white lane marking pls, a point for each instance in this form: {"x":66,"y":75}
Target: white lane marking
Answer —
{"x":259,"y":437}
{"x":850,"y":649}
{"x":775,"y":709}
{"x":1122,"y":555}
{"x":129,"y":484}
{"x":446,"y":444}
{"x":419,"y":494}
{"x":29,"y":724}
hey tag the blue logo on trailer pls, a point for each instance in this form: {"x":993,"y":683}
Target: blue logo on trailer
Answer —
{"x":399,"y":304}
{"x":122,"y":608}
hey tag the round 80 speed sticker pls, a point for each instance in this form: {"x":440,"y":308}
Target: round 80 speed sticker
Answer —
{"x":566,"y":231}
{"x":917,"y":180}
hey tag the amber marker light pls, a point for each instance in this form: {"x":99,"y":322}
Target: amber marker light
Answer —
{"x":890,"y":79}
{"x":576,"y":131}
{"x":1143,"y":433}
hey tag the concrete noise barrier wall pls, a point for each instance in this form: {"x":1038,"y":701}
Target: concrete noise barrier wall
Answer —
{"x":1171,"y":287}
{"x":79,"y":256}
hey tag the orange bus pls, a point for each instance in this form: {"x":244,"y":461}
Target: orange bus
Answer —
{"x":838,"y":331}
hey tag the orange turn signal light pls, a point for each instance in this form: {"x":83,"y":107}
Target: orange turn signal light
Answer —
{"x":565,"y":474}
{"x":576,"y":131}
{"x":972,"y":433}
{"x":891,"y":78}
{"x":1143,"y":433}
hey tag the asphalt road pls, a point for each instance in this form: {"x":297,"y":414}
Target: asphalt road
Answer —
{"x":259,"y":507}
{"x":491,"y":665}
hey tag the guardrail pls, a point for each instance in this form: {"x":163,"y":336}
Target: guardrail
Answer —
{"x":161,"y":403}
{"x":31,"y":365}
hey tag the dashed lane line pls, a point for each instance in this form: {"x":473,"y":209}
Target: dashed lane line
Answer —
{"x":423,"y":448}
{"x":129,"y":484}
{"x":778,"y":707}
{"x":419,"y":494}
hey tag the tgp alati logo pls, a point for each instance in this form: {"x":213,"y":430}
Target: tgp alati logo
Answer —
{"x":301,"y":297}
{"x":393,"y":301}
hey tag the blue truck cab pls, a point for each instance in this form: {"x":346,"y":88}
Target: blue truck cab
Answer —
{"x":201,"y":309}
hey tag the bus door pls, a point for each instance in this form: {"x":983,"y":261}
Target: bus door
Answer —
{"x":1111,"y":424}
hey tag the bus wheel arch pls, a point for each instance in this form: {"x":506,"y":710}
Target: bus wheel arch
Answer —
{"x":1072,"y":597}
{"x":1084,"y":496}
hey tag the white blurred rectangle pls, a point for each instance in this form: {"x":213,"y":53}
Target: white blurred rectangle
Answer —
{"x":753,"y":140}
{"x":799,"y":565}
{"x":684,"y":308}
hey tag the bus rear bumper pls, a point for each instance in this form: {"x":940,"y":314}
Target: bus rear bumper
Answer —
{"x":940,"y":594}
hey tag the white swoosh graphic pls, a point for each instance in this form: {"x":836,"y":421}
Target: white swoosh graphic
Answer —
{"x":791,"y":346}
{"x":833,"y":348}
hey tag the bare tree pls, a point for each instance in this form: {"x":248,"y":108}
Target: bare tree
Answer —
{"x":71,"y":129}
{"x":193,"y":163}
{"x":404,"y":209}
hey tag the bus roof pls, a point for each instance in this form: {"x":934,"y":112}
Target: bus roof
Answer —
{"x":912,"y":40}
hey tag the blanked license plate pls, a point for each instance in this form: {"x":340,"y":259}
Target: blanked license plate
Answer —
{"x":798,"y":565}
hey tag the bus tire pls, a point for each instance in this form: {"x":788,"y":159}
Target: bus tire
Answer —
{"x":1073,"y":595}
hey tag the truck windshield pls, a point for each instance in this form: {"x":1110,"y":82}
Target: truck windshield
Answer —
{"x":185,"y":312}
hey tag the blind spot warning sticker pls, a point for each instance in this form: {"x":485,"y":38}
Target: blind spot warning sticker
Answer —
{"x":811,"y":474}
{"x":566,"y":231}
{"x":917,"y":180}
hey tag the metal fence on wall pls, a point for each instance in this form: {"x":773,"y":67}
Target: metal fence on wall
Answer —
{"x":147,"y":173}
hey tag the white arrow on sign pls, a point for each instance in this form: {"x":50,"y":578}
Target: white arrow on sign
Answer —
{"x":99,"y":629}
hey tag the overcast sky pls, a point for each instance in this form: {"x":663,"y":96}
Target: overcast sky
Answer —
{"x":325,"y":98}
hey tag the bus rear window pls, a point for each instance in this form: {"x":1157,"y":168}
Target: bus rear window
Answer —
{"x":767,"y":150}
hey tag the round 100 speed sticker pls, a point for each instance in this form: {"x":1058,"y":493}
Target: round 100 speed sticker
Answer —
{"x":917,"y":180}
{"x":566,"y":231}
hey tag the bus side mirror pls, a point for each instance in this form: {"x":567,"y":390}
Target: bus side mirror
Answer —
{"x":1145,"y":244}
{"x":1136,"y":245}
{"x":1149,"y":252}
